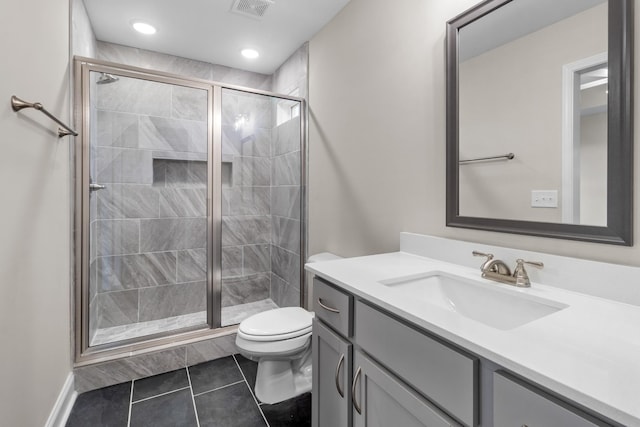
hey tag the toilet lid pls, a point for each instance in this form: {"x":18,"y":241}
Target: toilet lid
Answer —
{"x":279,"y":321}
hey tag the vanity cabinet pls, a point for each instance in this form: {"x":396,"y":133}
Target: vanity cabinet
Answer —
{"x":516,"y":403}
{"x":380,"y":400}
{"x":372,"y":370}
{"x":332,"y":373}
{"x":446,"y":376}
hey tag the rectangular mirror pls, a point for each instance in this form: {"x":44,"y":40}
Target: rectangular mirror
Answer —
{"x":539,"y":119}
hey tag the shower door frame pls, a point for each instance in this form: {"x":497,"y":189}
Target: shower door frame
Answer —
{"x":86,"y":354}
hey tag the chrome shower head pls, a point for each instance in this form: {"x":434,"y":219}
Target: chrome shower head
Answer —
{"x":106,"y":78}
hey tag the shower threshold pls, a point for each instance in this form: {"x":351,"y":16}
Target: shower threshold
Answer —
{"x":230,"y":316}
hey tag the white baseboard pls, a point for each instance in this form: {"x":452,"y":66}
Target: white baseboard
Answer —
{"x":64,"y":403}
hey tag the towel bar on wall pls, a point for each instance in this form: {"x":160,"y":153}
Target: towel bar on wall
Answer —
{"x":507,"y":156}
{"x":18,"y":104}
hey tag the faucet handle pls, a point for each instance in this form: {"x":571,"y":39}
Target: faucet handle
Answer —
{"x":522,"y":278}
{"x":488,"y":256}
{"x":537,"y":264}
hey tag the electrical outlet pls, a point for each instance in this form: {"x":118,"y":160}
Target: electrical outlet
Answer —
{"x":544,"y":198}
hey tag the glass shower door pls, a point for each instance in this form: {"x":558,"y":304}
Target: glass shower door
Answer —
{"x":261,"y":209}
{"x":149,"y":171}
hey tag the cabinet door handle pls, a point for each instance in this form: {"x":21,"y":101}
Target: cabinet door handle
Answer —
{"x":340,"y":362}
{"x":333,"y":310}
{"x":355,"y":404}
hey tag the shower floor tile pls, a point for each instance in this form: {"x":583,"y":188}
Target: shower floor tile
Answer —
{"x":216,"y":393}
{"x":231,"y":315}
{"x":235,"y":314}
{"x":124,"y":332}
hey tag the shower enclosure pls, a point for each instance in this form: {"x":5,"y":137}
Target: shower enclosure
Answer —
{"x":188,"y":207}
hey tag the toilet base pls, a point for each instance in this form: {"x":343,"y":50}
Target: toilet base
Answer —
{"x":279,"y":380}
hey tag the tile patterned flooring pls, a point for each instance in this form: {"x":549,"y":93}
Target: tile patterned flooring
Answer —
{"x":215,"y":393}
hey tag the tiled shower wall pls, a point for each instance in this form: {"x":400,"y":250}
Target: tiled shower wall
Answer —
{"x":286,"y":155}
{"x":149,"y":258}
{"x":261,"y":196}
{"x":261,"y":202}
{"x":246,"y":197}
{"x":285,"y":213}
{"x":181,"y":66}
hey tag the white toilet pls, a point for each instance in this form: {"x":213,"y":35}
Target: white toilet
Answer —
{"x":280,"y":341}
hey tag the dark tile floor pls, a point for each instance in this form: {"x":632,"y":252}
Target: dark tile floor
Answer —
{"x":216,"y":393}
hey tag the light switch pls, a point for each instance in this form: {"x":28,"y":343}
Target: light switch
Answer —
{"x":544,"y":198}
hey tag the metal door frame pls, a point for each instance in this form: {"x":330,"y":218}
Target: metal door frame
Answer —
{"x":85,"y":354}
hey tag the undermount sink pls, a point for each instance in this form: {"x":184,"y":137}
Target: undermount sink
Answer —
{"x":493,"y":306}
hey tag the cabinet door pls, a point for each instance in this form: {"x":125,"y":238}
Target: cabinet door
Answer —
{"x":331,"y":397}
{"x":380,"y":400}
{"x":516,"y":403}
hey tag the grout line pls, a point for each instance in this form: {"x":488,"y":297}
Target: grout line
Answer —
{"x":193,"y":398}
{"x":219,"y":388}
{"x":130,"y":404}
{"x":159,"y":395}
{"x":251,"y":391}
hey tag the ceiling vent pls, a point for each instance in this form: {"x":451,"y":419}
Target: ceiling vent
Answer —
{"x":252,"y":8}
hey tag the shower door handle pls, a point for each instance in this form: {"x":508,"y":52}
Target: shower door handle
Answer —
{"x":96,"y":187}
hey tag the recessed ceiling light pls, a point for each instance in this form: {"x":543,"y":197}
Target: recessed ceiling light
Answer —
{"x":250,"y":53}
{"x":143,"y":27}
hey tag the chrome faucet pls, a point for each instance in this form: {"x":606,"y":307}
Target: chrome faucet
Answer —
{"x":495,"y":269}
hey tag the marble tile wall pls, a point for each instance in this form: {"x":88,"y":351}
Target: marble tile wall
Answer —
{"x":285,"y":214}
{"x":104,"y":374}
{"x":246,"y":199}
{"x":151,"y":154}
{"x":293,"y":73}
{"x":83,"y":40}
{"x":181,"y":66}
{"x":150,"y":227}
{"x":291,"y":76}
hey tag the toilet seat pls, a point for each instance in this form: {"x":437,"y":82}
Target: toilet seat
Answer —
{"x":280,"y":341}
{"x":276,"y":325}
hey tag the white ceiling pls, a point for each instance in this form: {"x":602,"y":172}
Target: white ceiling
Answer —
{"x":206,"y":30}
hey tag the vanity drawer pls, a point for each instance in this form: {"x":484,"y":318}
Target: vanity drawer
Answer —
{"x":332,"y":306}
{"x":445,"y":376}
{"x":516,"y":403}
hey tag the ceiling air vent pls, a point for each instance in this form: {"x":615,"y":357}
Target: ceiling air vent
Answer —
{"x":252,"y":8}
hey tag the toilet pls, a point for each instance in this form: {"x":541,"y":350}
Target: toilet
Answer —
{"x":280,"y":341}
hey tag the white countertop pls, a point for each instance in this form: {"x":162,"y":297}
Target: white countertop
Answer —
{"x":588,"y":352}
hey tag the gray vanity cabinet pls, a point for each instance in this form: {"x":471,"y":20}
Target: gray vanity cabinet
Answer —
{"x":445,"y":375}
{"x":516,"y":403}
{"x":379,"y":400}
{"x":332,"y":375}
{"x":373,"y":369}
{"x":351,"y":355}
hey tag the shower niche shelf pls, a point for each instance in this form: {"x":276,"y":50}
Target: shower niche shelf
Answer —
{"x":186,"y":170}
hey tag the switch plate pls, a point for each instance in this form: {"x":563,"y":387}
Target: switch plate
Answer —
{"x":544,"y":198}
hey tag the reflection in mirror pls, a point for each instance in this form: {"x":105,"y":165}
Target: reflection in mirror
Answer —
{"x":511,"y":93}
{"x":539,"y":118}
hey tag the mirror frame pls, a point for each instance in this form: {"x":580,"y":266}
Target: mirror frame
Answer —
{"x":619,"y":229}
